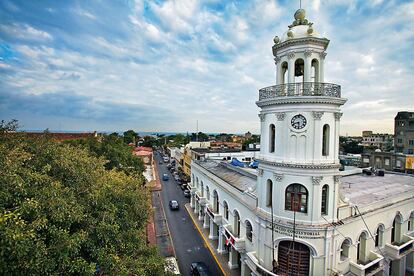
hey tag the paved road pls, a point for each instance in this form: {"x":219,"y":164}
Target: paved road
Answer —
{"x":189,"y":246}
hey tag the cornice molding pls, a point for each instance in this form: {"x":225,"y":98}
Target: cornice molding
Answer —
{"x":301,"y":99}
{"x":301,"y":41}
{"x":301,"y":166}
{"x":277,"y":59}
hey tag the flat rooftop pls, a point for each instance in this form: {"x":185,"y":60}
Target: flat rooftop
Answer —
{"x":240,"y":178}
{"x":363,"y":189}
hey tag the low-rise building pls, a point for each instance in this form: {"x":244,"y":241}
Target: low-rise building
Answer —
{"x":380,"y":141}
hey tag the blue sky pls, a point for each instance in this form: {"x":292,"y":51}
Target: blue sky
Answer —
{"x":161,"y":65}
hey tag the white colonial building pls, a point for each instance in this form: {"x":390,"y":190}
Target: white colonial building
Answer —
{"x":298,"y":214}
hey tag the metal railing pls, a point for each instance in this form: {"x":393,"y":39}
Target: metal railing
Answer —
{"x":300,"y":89}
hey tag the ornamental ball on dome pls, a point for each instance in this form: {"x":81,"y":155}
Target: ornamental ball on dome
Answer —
{"x":276,"y":40}
{"x":300,"y":14}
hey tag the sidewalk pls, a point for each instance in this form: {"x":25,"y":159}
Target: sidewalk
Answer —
{"x":221,"y":259}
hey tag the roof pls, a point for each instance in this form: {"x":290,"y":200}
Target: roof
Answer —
{"x":404,"y":115}
{"x":143,"y":149}
{"x":205,"y":150}
{"x":239,"y":178}
{"x":363,"y":190}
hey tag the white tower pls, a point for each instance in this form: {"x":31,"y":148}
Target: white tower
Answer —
{"x":300,"y":115}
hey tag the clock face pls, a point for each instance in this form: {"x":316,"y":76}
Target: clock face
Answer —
{"x":298,"y":121}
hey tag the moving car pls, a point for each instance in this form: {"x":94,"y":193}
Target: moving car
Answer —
{"x":199,"y":269}
{"x":165,"y":177}
{"x":174,"y":205}
{"x":187,"y":193}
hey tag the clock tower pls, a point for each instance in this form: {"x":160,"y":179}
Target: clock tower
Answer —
{"x":298,"y":174}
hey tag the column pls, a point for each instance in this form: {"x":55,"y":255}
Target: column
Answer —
{"x":410,"y":262}
{"x":201,"y":213}
{"x":192,"y":205}
{"x":213,"y":230}
{"x":308,"y":66}
{"x":291,"y":67}
{"x":207,"y":220}
{"x":336,"y":137}
{"x":245,"y":270}
{"x":321,"y":66}
{"x":197,"y":207}
{"x":233,"y":262}
{"x":278,"y":70}
{"x":398,"y":267}
{"x":221,"y":241}
{"x":317,"y":151}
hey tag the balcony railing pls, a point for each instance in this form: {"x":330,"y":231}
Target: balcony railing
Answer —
{"x":215,"y":215}
{"x":300,"y":89}
{"x":238,"y":243}
{"x":373,"y":266}
{"x":397,"y":251}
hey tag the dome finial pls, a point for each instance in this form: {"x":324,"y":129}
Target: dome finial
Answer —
{"x":300,"y":18}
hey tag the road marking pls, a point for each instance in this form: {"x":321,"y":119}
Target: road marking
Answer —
{"x":206,"y":243}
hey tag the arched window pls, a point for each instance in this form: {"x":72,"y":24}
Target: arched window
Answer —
{"x":379,"y":236}
{"x":315,"y":71}
{"x":192,"y":179}
{"x":202,"y":189}
{"x":249,"y":230}
{"x":396,"y":228}
{"x":324,"y":202}
{"x":216,"y":202}
{"x":296,"y":198}
{"x":410,"y":225}
{"x":362,"y":246}
{"x":325,"y":140}
{"x":272,"y":135}
{"x":208,"y":193}
{"x":346,"y":244}
{"x":269,"y":193}
{"x":226,"y":210}
{"x":284,"y":76}
{"x":299,"y":70}
{"x":236,"y":224}
{"x":197,"y":184}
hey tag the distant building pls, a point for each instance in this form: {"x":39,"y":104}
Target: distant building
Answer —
{"x":377,"y":140}
{"x":404,"y":132}
{"x":224,"y":154}
{"x":145,"y":153}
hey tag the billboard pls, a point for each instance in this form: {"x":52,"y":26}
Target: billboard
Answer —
{"x":409,"y":162}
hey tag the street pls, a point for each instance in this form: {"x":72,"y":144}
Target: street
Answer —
{"x":188,"y":244}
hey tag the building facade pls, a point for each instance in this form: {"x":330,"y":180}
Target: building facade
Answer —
{"x":404,"y":132}
{"x":297,"y":214}
{"x":382,"y":141}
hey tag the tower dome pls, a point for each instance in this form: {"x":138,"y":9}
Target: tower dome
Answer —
{"x":300,"y":28}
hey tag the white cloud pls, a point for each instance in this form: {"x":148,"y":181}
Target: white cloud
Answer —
{"x":25,"y":31}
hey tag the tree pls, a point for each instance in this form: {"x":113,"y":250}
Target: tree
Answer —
{"x":62,"y":212}
{"x":130,"y":136}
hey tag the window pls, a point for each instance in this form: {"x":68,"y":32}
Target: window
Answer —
{"x":396,"y":228}
{"x":216,"y":202}
{"x":410,"y":151}
{"x":249,"y":230}
{"x":202,"y":189}
{"x":387,"y":161}
{"x":411,"y":142}
{"x":325,"y":140}
{"x":379,"y":236}
{"x":410,"y":225}
{"x":272,"y":135}
{"x":345,"y":249}
{"x":208,"y":193}
{"x":236,"y":224}
{"x":411,"y":123}
{"x":296,"y":198}
{"x":324,"y":203}
{"x":361,"y":248}
{"x":269,"y":193}
{"x":226,"y":210}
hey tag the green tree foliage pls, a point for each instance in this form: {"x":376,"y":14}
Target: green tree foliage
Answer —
{"x":201,"y":137}
{"x":352,"y":147}
{"x":63,"y":213}
{"x":130,"y":136}
{"x":116,"y":153}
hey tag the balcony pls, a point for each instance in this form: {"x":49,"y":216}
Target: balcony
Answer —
{"x":300,"y":89}
{"x":401,"y":249}
{"x":373,"y":266}
{"x":217,"y":218}
{"x":201,"y":199}
{"x":238,"y":243}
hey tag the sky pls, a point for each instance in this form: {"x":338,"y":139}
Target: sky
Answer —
{"x":113,"y":65}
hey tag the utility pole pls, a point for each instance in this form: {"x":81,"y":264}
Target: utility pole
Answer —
{"x":197,"y":132}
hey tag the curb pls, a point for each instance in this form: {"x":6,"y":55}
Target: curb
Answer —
{"x":206,"y":243}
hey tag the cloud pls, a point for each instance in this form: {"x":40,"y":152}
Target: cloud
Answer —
{"x":162,"y":65}
{"x":25,"y":31}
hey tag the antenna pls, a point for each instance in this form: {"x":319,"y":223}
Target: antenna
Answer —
{"x":197,"y":132}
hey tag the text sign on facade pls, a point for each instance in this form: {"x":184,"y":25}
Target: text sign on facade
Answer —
{"x":298,"y":233}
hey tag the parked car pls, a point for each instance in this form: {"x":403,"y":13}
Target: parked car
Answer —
{"x":160,"y":162}
{"x":174,"y":205}
{"x":176,"y":177}
{"x":165,"y":177}
{"x":187,"y":193}
{"x":199,"y":269}
{"x":184,"y":187}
